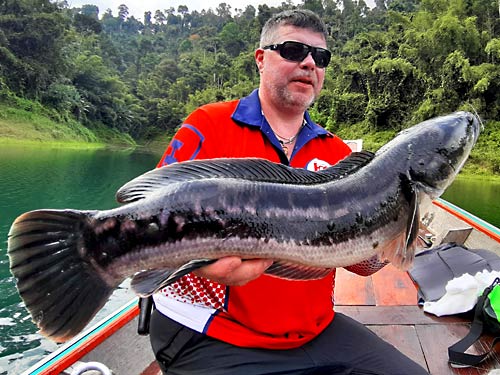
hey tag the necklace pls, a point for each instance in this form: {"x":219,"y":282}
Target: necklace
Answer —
{"x":284,"y":141}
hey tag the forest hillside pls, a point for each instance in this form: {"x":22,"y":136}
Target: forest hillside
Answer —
{"x":107,"y":75}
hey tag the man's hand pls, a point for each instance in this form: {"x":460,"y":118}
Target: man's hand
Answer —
{"x":234,"y":271}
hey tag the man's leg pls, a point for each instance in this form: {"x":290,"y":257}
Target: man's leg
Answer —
{"x":179,"y":350}
{"x":345,"y":347}
{"x":349,"y":343}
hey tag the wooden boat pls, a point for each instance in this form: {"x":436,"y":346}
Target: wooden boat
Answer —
{"x":386,"y":302}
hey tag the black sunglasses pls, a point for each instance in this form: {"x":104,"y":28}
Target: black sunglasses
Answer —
{"x":296,"y":51}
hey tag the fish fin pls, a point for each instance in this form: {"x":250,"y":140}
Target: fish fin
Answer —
{"x":253,"y":169}
{"x":413,"y":224}
{"x":352,"y":163}
{"x":294,"y":271}
{"x":61,"y":290}
{"x":407,"y":253}
{"x":401,"y":251}
{"x":145,"y":283}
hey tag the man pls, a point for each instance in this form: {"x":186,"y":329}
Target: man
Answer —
{"x":230,"y":317}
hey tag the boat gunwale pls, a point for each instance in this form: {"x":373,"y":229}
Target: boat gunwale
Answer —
{"x":477,"y":223}
{"x":85,"y":342}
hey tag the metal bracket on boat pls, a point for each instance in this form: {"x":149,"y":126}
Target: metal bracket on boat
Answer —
{"x":145,"y":308}
{"x":83,"y":367}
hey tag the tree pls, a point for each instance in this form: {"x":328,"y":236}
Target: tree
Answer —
{"x":231,"y":38}
{"x":403,"y":6}
{"x":105,"y":95}
{"x":122,"y":12}
{"x":402,"y":61}
{"x":493,"y":50}
{"x":160,"y":17}
{"x":223,"y":10}
{"x":393,"y":91}
{"x":183,"y":10}
{"x":86,"y":24}
{"x":314,"y":5}
{"x":91,"y":11}
{"x":34,"y":36}
{"x":109,"y":23}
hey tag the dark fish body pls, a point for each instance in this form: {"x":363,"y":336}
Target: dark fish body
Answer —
{"x":186,"y":215}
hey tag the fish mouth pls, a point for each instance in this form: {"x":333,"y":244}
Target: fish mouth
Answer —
{"x":480,"y":124}
{"x":478,"y":129}
{"x":473,"y":129}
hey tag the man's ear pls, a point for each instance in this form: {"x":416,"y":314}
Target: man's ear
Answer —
{"x":259,"y":58}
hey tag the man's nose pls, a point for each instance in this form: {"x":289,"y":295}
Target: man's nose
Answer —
{"x":308,"y":61}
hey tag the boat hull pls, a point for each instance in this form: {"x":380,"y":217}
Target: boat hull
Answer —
{"x":114,"y":340}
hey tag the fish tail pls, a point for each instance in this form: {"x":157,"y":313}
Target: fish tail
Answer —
{"x":60,"y":288}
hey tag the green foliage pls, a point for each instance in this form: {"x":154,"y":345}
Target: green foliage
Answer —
{"x":347,"y":108}
{"x":401,"y":62}
{"x":486,"y":80}
{"x":63,"y":97}
{"x":203,"y":97}
{"x":485,"y":158}
{"x":393,"y":86}
{"x":493,"y":50}
{"x":372,"y":140}
{"x":231,"y":39}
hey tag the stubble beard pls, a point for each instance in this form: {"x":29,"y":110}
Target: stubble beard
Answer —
{"x":291,"y":100}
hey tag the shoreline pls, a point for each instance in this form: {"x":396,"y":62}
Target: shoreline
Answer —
{"x":59,"y":144}
{"x":483,"y":177}
{"x":152,"y":147}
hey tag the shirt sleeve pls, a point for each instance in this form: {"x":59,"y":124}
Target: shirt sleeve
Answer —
{"x":192,"y":140}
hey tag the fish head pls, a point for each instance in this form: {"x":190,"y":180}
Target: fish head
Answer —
{"x":438,"y":148}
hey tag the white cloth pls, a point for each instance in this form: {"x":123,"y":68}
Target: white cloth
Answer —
{"x":461,"y":293}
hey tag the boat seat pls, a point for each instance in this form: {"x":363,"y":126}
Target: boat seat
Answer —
{"x":458,"y":236}
{"x":355,"y":145}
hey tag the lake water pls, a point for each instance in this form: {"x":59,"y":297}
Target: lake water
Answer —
{"x":33,"y":178}
{"x":479,"y":197}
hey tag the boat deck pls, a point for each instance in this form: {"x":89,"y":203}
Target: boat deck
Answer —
{"x":386,"y":302}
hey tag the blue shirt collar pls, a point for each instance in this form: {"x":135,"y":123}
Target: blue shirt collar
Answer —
{"x":249,"y":112}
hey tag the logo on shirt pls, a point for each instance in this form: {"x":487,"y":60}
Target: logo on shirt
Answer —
{"x":184,"y":146}
{"x":316,"y":165}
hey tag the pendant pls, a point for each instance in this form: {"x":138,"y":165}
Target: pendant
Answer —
{"x":285,"y":149}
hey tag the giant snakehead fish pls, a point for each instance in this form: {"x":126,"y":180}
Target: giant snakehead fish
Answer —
{"x":180,"y":217}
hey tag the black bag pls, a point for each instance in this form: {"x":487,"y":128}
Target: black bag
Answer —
{"x":433,"y":268}
{"x":486,"y":319}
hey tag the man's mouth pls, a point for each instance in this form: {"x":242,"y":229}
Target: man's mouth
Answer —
{"x":303,"y":80}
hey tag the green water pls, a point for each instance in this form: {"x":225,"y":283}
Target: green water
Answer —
{"x":33,"y":178}
{"x":479,"y":197}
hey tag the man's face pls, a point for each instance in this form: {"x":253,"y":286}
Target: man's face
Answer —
{"x":294,"y":85}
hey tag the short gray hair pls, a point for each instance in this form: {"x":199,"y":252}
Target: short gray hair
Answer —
{"x":302,"y":18}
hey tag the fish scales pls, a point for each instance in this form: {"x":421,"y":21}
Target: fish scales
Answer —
{"x":181,"y":217}
{"x":277,"y":220}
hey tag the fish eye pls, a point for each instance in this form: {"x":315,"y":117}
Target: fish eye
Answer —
{"x":152,"y":228}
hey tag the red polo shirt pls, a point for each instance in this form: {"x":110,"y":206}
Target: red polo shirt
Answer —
{"x":267,"y":312}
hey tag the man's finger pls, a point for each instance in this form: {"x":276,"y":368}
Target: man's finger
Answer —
{"x":234,"y":271}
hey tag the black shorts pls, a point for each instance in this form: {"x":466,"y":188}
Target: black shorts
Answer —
{"x":344,"y":347}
